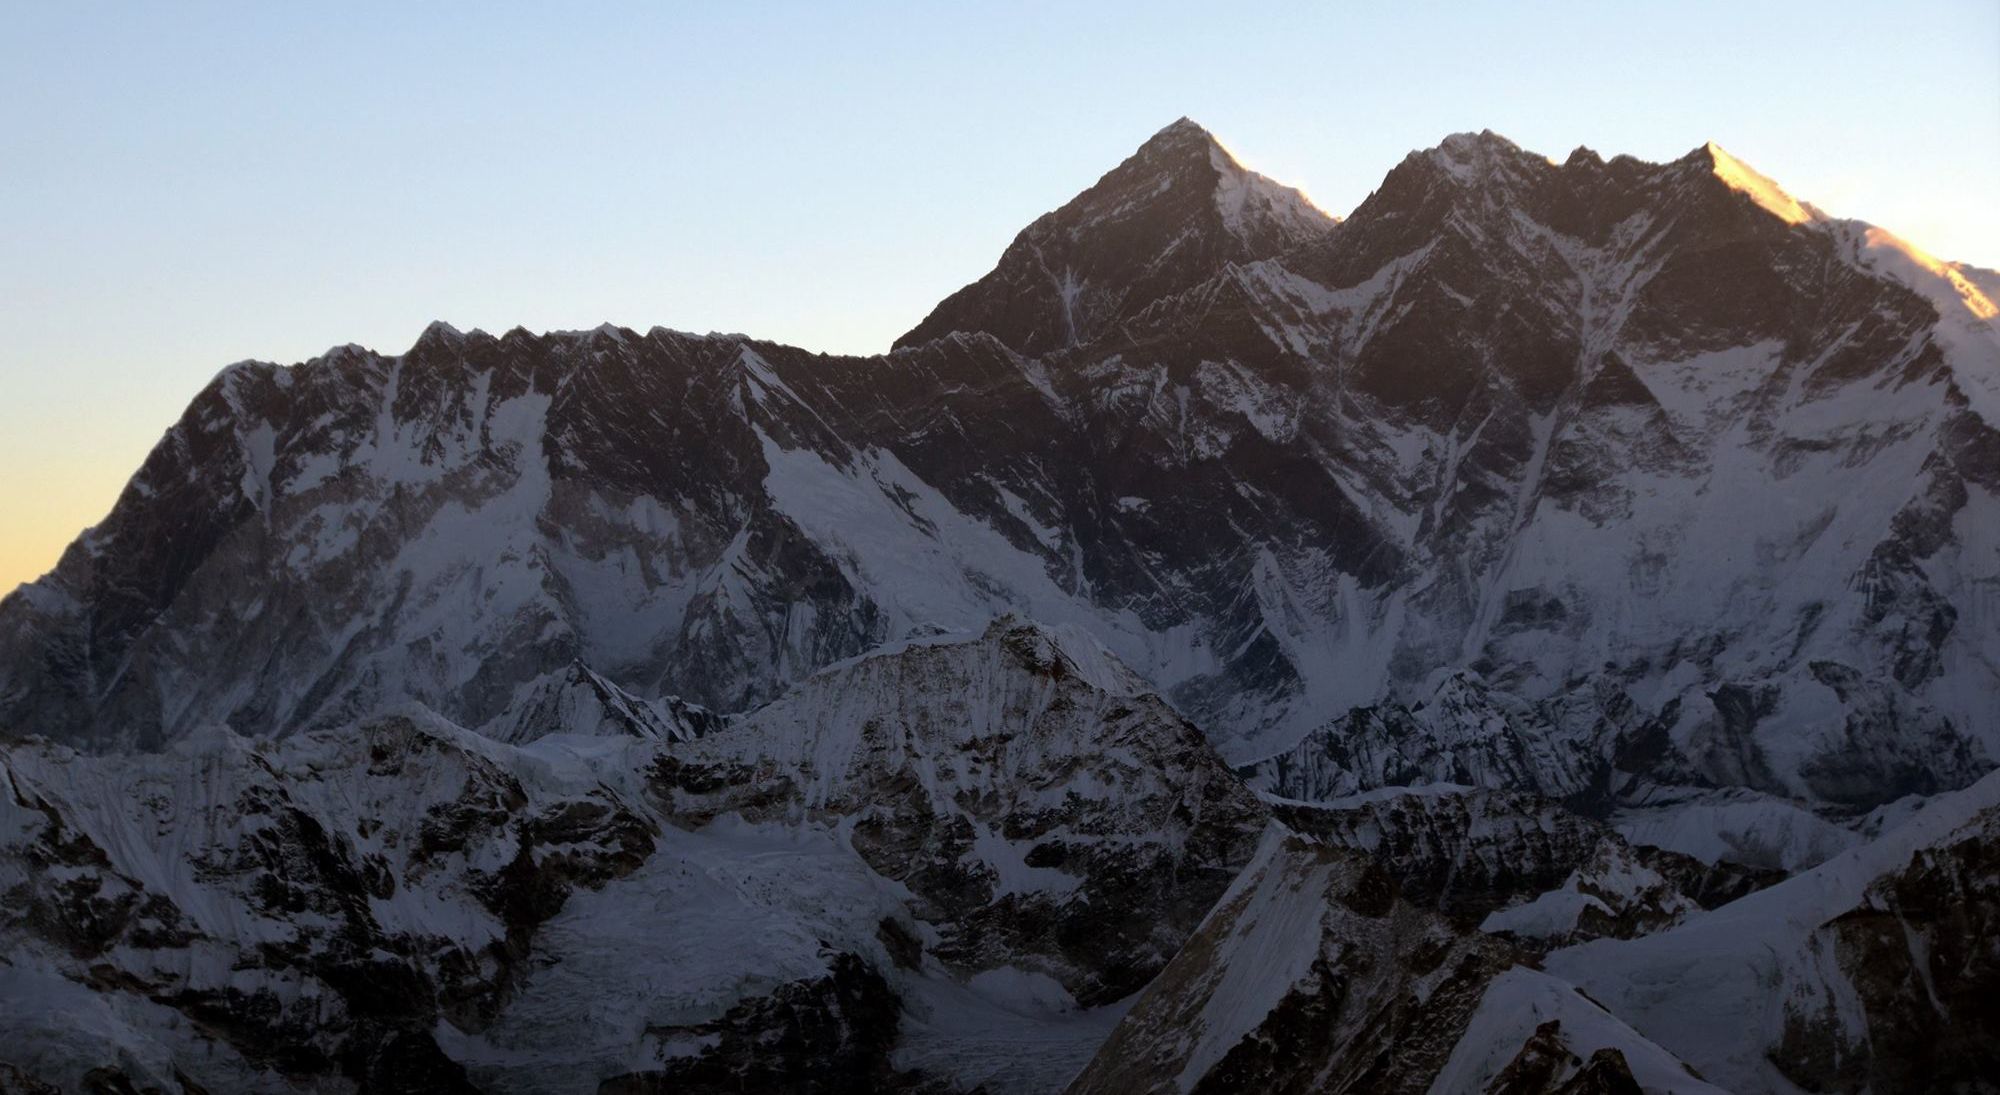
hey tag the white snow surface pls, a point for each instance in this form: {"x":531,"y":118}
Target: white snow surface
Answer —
{"x":1747,"y":506}
{"x":713,"y":915}
{"x":1717,"y":989}
{"x":1522,"y":999}
{"x":1739,"y":827}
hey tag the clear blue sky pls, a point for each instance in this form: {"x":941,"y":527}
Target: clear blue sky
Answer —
{"x":184,"y":185}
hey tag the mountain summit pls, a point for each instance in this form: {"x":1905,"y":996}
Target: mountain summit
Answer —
{"x":1167,"y":219}
{"x":1220,"y":648}
{"x":1281,"y":465}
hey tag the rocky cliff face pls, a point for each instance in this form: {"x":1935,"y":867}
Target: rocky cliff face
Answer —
{"x":1515,"y":863}
{"x":1862,"y":973}
{"x":1318,"y":972}
{"x":881,"y":880}
{"x":1238,"y":634}
{"x":1305,"y":972}
{"x":1678,"y":479}
{"x":1159,"y":224}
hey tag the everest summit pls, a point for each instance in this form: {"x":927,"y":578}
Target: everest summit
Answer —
{"x":1225,"y":647}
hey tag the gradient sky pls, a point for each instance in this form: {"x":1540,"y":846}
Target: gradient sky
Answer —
{"x":186,"y":185}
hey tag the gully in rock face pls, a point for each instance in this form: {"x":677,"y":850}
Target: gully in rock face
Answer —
{"x":1526,"y":636}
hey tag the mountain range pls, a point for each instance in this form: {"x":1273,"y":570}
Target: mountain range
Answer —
{"x":1225,"y":647}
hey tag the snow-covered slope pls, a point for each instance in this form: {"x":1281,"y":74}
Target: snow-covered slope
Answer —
{"x":1534,"y":1034}
{"x":1162,"y":222}
{"x":1873,"y":971}
{"x":579,"y":701}
{"x":1023,"y":787}
{"x":913,"y":866}
{"x":1514,"y":863}
{"x":1567,"y":548}
{"x":1306,"y":974}
{"x":1589,"y":477}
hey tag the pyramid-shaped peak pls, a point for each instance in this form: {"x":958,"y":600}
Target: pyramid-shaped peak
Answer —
{"x":438,"y":335}
{"x":1181,"y":129}
{"x":1170,"y":216}
{"x":1760,"y":188}
{"x":1184,"y":141}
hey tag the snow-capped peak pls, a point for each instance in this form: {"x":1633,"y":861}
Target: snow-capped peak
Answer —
{"x":1168,"y":218}
{"x":1469,"y":157}
{"x":1180,"y":129}
{"x":1241,"y":193}
{"x":1943,"y":283}
{"x":1745,"y":179}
